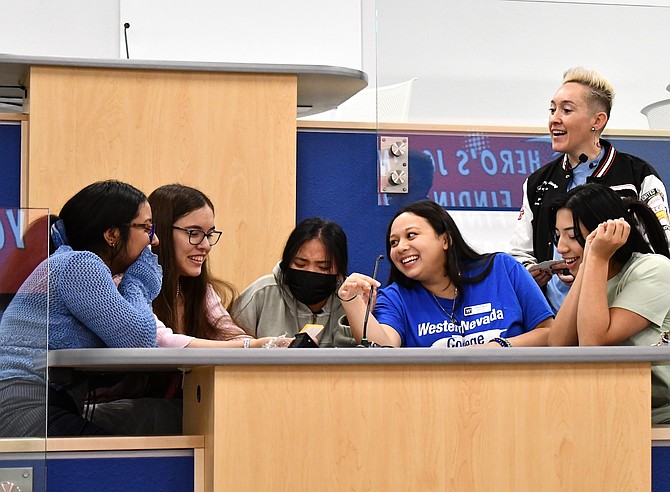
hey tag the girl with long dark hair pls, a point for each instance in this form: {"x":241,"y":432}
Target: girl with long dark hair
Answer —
{"x":192,"y":302}
{"x":441,"y":291}
{"x":617,"y":251}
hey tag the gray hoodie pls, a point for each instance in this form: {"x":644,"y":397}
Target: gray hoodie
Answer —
{"x":267,"y":308}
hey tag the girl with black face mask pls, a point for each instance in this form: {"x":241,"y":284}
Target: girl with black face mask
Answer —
{"x":302,"y":287}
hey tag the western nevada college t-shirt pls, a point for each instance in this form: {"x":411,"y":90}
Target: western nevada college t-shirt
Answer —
{"x":506,"y":303}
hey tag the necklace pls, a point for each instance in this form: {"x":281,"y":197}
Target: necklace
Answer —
{"x":178,"y":290}
{"x":450,"y":316}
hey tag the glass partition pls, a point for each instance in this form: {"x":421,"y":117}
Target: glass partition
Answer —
{"x":499,"y":62}
{"x":476,"y":80}
{"x":24,"y":245}
{"x":482,"y":74}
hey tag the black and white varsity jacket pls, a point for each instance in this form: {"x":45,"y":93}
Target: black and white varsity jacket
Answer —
{"x":628,"y":175}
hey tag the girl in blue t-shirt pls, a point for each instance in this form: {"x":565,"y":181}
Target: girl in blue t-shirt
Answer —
{"x":442,"y":292}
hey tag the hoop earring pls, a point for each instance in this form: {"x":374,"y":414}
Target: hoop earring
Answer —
{"x":596,"y":138}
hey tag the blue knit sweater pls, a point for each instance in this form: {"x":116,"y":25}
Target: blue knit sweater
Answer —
{"x":85,"y":310}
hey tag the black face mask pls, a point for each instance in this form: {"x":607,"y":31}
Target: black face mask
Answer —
{"x":310,"y":287}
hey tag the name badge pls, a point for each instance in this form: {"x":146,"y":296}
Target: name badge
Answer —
{"x":478,"y":309}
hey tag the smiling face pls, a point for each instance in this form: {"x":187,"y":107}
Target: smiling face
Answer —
{"x":416,"y":249}
{"x":568,"y":246}
{"x":570,"y":121}
{"x":189,"y":258}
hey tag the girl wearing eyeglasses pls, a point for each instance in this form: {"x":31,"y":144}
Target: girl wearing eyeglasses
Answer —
{"x":104,"y":230}
{"x":191,"y":302}
{"x":189,"y":312}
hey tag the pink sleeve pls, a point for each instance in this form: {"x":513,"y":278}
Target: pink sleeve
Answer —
{"x":225,"y":327}
{"x":166,"y":338}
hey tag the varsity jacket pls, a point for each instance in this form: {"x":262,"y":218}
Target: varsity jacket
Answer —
{"x":628,"y":175}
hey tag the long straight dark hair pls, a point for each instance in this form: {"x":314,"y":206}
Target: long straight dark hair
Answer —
{"x":459,"y":259}
{"x":592,"y":204}
{"x":169,"y":203}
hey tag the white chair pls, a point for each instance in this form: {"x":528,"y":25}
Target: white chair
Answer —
{"x":658,"y":115}
{"x":389,"y":103}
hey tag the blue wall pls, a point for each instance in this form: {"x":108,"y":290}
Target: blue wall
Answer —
{"x":337,"y":178}
{"x":132,"y":474}
{"x":106,"y":474}
{"x":660,"y":469}
{"x":10,"y":165}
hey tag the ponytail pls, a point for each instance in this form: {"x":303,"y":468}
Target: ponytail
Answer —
{"x":645,"y":221}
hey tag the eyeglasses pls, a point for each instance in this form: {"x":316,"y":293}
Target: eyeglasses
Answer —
{"x":196,"y":236}
{"x":148,"y":228}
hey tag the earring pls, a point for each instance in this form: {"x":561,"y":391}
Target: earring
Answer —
{"x":596,"y":138}
{"x":113,"y":245}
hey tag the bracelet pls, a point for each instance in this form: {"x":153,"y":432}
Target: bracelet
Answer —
{"x":503,"y":342}
{"x":346,"y":300}
{"x":246,"y":343}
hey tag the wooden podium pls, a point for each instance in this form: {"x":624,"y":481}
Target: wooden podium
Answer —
{"x":227,"y":129}
{"x":423,"y":427}
{"x":521,"y":419}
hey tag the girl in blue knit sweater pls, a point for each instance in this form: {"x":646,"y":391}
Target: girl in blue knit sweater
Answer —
{"x":104,"y":230}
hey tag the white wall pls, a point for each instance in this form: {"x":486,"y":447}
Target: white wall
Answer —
{"x":499,"y":62}
{"x":318,"y":32}
{"x":486,"y":231}
{"x":74,"y":28}
{"x":489,"y":62}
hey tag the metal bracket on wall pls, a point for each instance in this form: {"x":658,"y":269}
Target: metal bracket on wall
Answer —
{"x":16,"y":479}
{"x":393,"y":175}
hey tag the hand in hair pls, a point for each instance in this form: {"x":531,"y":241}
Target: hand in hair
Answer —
{"x":608,"y":237}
